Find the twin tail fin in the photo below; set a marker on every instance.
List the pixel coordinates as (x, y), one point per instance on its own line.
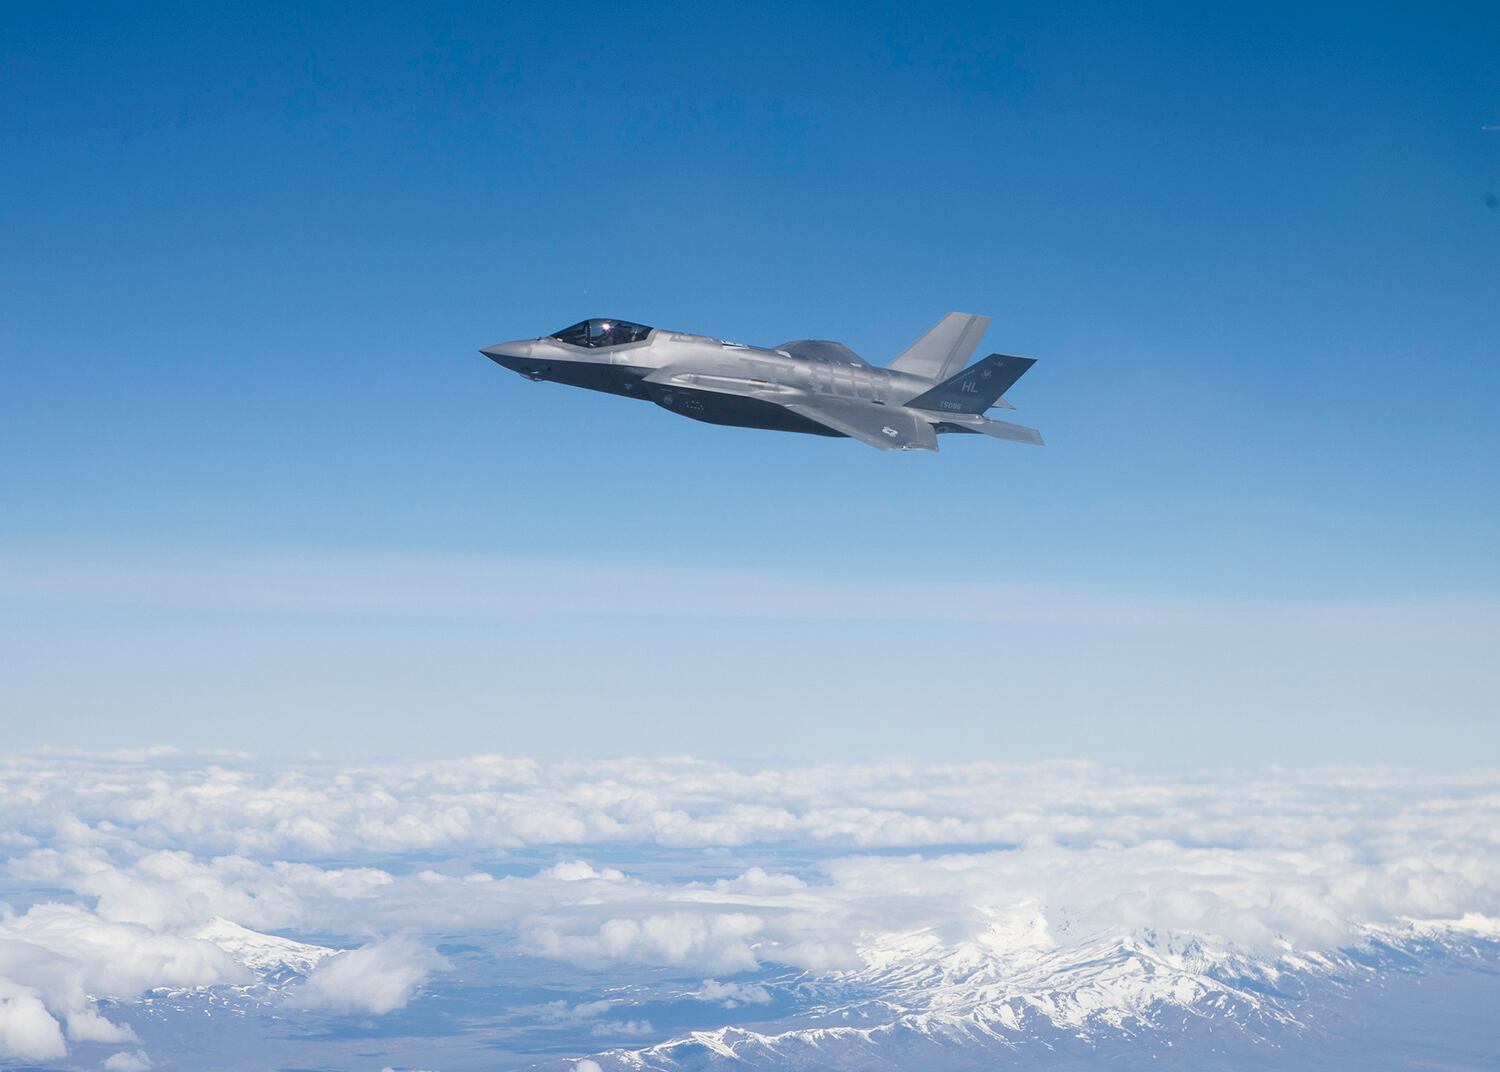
(977, 387)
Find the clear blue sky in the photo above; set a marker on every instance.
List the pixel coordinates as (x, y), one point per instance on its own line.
(249, 257)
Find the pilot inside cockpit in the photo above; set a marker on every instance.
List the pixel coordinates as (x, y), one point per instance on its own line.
(596, 333)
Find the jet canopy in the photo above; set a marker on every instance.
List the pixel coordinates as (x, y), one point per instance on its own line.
(595, 333)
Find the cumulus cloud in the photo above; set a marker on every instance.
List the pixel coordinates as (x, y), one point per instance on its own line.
(376, 979)
(127, 1061)
(718, 941)
(164, 890)
(28, 1031)
(244, 812)
(816, 868)
(86, 1025)
(561, 1012)
(579, 871)
(732, 994)
(55, 959)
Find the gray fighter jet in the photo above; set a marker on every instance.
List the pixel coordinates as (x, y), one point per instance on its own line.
(808, 385)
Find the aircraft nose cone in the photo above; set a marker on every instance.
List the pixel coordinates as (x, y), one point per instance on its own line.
(505, 353)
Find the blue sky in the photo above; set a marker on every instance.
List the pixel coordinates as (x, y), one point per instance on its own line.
(249, 259)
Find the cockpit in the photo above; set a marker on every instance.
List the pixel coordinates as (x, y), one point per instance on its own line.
(596, 333)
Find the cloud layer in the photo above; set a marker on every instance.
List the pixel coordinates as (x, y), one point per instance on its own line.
(273, 810)
(697, 868)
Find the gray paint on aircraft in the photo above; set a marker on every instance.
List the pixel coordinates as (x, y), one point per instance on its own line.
(812, 386)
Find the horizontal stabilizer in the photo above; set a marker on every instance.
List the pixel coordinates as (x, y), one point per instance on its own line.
(977, 387)
(1005, 430)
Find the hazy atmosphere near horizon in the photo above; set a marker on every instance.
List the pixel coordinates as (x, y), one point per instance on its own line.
(366, 706)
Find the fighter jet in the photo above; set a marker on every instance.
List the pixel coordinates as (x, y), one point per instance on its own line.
(806, 385)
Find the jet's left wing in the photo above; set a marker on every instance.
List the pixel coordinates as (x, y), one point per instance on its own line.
(883, 427)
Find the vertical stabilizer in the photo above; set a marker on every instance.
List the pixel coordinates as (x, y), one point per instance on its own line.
(945, 348)
(977, 387)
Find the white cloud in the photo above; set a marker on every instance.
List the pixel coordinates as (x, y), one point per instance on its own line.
(148, 848)
(127, 1061)
(377, 978)
(587, 1065)
(628, 1028)
(86, 1025)
(579, 871)
(245, 814)
(56, 958)
(28, 1032)
(732, 994)
(717, 941)
(560, 1012)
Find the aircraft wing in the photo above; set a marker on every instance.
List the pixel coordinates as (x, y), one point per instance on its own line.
(720, 384)
(882, 427)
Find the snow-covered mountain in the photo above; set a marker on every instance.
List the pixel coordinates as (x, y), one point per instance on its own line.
(264, 954)
(1012, 993)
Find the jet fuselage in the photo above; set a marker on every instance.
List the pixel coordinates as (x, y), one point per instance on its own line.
(622, 370)
(811, 386)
